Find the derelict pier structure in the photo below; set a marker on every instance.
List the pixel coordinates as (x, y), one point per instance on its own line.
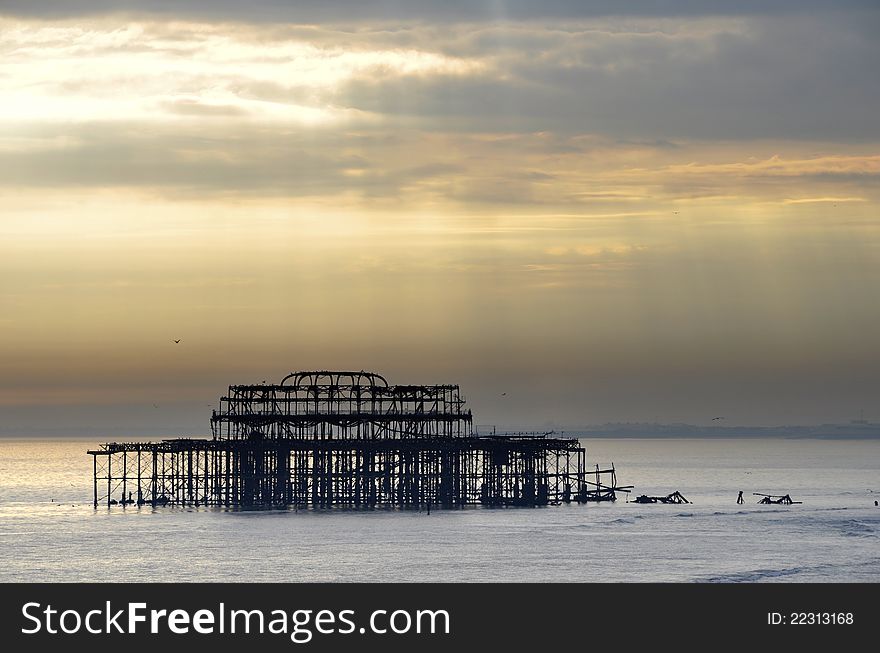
(348, 439)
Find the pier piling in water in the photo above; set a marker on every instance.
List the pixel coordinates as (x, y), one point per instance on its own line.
(348, 439)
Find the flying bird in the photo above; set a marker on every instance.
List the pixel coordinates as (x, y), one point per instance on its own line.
(714, 418)
(503, 394)
(177, 341)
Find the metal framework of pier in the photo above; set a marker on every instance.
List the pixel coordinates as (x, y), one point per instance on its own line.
(348, 439)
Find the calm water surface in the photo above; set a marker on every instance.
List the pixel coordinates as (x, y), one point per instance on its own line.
(49, 530)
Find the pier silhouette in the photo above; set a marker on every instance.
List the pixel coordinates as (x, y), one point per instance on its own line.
(349, 439)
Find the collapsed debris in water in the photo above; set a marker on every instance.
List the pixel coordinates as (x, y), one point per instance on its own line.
(675, 497)
(784, 499)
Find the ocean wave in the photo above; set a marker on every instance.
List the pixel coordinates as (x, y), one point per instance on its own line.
(753, 576)
(856, 528)
(629, 519)
(16, 533)
(848, 527)
(770, 512)
(759, 575)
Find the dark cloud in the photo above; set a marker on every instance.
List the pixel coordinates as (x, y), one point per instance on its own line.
(215, 157)
(322, 11)
(801, 76)
(254, 160)
(804, 79)
(139, 155)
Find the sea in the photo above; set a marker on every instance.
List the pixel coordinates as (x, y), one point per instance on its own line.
(50, 531)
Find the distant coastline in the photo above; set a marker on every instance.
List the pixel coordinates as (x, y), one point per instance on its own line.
(856, 430)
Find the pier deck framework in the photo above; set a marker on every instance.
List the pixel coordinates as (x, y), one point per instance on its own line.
(347, 439)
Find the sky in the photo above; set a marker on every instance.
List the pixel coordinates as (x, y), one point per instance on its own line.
(580, 213)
